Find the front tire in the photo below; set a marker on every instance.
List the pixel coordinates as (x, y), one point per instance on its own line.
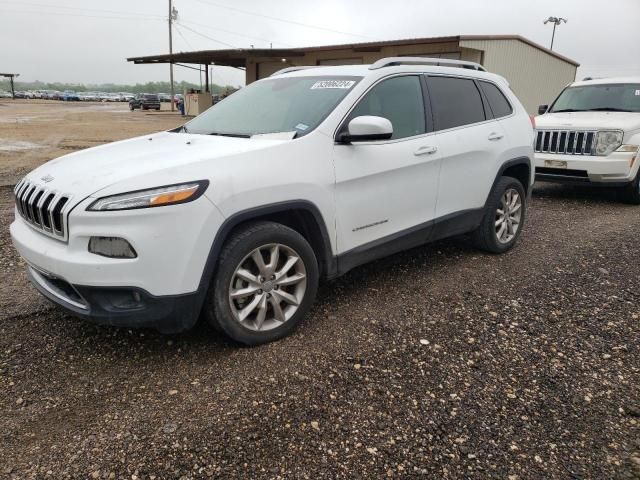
(503, 218)
(266, 282)
(631, 193)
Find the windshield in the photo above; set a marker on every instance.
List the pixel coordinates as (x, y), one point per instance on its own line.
(288, 104)
(607, 97)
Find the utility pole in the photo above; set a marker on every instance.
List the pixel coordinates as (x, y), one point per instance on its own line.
(173, 15)
(556, 21)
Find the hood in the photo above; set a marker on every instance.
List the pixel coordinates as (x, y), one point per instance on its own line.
(82, 173)
(625, 121)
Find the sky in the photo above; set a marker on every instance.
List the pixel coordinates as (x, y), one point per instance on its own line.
(88, 41)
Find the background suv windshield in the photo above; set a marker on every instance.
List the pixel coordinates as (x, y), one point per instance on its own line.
(612, 97)
(288, 104)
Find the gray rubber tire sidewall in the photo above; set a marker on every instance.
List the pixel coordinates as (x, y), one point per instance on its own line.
(236, 248)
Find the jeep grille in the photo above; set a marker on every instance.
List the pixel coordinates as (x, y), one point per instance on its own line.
(42, 208)
(565, 142)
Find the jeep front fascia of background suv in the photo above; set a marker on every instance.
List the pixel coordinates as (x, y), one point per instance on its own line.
(591, 135)
(298, 177)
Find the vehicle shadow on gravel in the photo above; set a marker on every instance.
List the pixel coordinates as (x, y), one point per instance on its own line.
(382, 276)
(582, 193)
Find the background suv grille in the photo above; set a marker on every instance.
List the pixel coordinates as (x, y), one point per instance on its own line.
(565, 142)
(42, 208)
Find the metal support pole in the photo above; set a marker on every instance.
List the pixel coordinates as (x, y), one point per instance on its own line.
(13, 92)
(171, 53)
(553, 35)
(206, 78)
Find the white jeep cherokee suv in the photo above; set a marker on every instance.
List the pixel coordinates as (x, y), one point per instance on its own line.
(297, 177)
(591, 135)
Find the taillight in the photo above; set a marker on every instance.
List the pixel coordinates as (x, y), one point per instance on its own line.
(533, 121)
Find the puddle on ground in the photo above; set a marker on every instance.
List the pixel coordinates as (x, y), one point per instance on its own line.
(17, 145)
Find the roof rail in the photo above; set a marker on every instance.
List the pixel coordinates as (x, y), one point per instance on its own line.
(443, 62)
(292, 69)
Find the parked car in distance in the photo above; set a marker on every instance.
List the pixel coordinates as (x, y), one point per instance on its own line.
(70, 96)
(591, 135)
(298, 177)
(164, 97)
(4, 94)
(145, 101)
(125, 96)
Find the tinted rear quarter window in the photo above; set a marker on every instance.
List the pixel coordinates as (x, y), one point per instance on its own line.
(498, 103)
(455, 102)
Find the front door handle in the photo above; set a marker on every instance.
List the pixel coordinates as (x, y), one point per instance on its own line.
(495, 136)
(426, 150)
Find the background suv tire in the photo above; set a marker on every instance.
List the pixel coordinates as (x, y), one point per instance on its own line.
(503, 218)
(631, 193)
(266, 281)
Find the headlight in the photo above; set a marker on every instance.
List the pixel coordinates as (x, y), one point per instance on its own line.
(607, 142)
(153, 197)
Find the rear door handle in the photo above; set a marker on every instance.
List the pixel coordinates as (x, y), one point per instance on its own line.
(426, 150)
(495, 136)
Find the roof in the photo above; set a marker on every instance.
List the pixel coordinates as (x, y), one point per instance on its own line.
(237, 57)
(606, 81)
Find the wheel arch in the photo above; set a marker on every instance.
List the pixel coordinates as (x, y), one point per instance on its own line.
(520, 168)
(300, 215)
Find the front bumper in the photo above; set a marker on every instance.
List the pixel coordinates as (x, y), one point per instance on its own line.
(161, 288)
(617, 169)
(119, 306)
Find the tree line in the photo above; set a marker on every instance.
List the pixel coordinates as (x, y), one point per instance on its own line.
(149, 87)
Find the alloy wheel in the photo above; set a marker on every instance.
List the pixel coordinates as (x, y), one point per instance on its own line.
(267, 287)
(508, 216)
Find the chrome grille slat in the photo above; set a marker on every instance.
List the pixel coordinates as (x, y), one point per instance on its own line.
(42, 208)
(566, 142)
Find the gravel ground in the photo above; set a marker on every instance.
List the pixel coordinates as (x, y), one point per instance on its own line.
(441, 362)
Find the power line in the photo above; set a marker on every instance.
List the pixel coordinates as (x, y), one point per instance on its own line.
(182, 36)
(206, 36)
(208, 27)
(293, 22)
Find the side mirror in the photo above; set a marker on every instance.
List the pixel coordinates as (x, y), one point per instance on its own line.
(367, 128)
(543, 109)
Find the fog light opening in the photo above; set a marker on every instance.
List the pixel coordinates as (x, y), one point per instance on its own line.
(112, 247)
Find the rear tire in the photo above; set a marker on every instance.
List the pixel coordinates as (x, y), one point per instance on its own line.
(265, 283)
(631, 193)
(504, 217)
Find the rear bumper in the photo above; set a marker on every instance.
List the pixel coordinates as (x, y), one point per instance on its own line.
(119, 306)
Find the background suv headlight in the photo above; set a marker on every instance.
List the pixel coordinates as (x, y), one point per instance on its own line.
(607, 142)
(152, 197)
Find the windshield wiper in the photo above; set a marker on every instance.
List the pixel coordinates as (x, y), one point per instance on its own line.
(608, 109)
(235, 135)
(566, 110)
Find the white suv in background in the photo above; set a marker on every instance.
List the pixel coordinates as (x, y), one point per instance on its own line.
(295, 178)
(591, 135)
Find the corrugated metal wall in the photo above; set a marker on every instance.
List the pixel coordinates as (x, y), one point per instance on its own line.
(535, 76)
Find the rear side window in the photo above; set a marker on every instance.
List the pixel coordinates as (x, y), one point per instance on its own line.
(498, 103)
(455, 102)
(399, 100)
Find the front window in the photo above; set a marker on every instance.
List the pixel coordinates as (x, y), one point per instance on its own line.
(594, 98)
(399, 100)
(286, 104)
